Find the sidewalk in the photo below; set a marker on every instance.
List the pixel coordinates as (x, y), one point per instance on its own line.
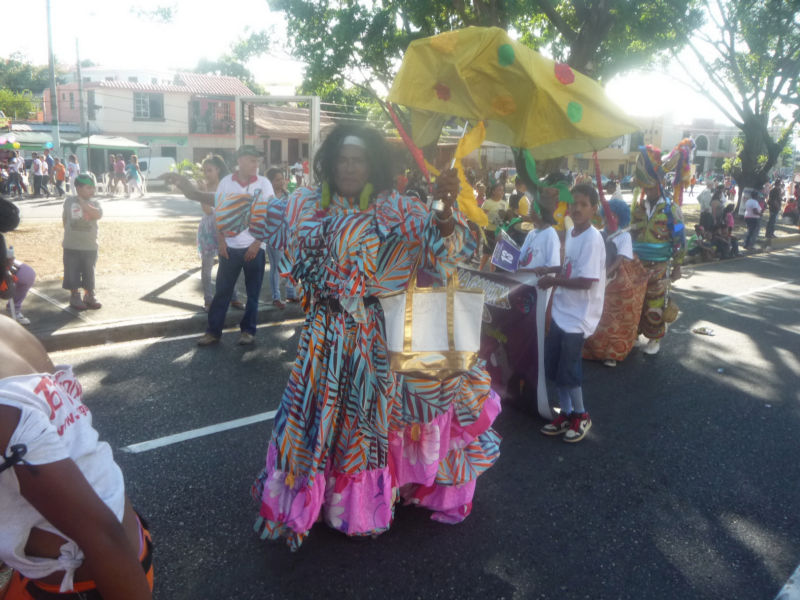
(135, 306)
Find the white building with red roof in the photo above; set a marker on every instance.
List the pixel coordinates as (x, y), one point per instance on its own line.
(177, 114)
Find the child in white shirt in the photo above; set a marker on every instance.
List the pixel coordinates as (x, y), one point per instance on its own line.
(577, 306)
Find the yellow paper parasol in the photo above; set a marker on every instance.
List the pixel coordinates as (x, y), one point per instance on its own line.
(526, 100)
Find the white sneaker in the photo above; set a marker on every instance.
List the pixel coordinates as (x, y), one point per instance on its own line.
(610, 362)
(652, 347)
(22, 319)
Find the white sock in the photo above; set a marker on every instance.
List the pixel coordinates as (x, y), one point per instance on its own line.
(576, 396)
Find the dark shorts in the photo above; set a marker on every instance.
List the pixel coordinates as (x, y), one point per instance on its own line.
(563, 357)
(79, 269)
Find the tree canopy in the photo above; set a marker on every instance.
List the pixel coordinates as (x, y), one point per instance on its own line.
(749, 55)
(345, 40)
(18, 75)
(17, 105)
(255, 43)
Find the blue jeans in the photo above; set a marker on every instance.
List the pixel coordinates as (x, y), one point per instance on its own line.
(773, 218)
(227, 272)
(752, 231)
(274, 275)
(563, 360)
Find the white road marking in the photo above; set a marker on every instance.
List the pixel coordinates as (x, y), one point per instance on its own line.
(196, 433)
(176, 338)
(791, 590)
(62, 306)
(732, 297)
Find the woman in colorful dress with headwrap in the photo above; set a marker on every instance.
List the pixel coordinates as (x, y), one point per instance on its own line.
(351, 437)
(658, 241)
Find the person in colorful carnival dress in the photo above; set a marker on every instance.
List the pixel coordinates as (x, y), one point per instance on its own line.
(658, 241)
(626, 282)
(352, 437)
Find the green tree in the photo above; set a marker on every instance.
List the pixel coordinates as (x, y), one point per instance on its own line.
(18, 75)
(17, 106)
(345, 40)
(750, 58)
(254, 44)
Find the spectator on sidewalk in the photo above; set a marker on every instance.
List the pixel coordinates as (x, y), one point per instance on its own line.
(16, 175)
(775, 201)
(704, 201)
(111, 187)
(37, 167)
(278, 182)
(80, 217)
(59, 176)
(73, 169)
(752, 218)
(22, 277)
(240, 204)
(133, 176)
(208, 238)
(119, 173)
(51, 162)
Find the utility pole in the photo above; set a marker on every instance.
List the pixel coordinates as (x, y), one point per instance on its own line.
(53, 92)
(84, 122)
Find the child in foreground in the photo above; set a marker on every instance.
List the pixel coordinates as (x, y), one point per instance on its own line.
(577, 306)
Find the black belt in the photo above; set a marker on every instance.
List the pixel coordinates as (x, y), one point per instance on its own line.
(335, 306)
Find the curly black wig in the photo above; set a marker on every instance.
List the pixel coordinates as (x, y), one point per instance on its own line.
(379, 156)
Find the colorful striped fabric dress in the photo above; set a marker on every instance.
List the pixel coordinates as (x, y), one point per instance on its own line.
(352, 438)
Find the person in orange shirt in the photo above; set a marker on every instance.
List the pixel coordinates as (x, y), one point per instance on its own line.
(60, 176)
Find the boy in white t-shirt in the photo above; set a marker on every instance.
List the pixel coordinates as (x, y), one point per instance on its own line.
(577, 306)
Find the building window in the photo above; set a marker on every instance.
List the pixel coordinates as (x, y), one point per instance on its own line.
(275, 152)
(724, 144)
(223, 111)
(87, 80)
(109, 79)
(154, 80)
(148, 106)
(133, 79)
(701, 143)
(72, 101)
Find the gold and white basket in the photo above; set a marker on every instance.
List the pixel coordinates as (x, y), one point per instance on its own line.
(433, 333)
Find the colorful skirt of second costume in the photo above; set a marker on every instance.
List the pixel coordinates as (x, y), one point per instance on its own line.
(352, 438)
(618, 328)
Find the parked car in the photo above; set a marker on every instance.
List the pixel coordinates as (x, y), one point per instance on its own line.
(154, 167)
(603, 180)
(626, 183)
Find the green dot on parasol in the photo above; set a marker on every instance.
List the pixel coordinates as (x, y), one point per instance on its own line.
(574, 112)
(505, 55)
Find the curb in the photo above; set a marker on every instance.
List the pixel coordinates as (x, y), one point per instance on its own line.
(138, 329)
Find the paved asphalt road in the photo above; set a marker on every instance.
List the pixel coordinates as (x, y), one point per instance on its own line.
(686, 487)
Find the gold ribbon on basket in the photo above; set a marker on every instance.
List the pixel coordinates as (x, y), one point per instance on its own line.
(442, 358)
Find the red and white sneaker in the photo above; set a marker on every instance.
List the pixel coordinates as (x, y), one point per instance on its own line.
(557, 426)
(579, 426)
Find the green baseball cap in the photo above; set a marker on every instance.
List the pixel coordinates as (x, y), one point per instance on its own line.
(248, 150)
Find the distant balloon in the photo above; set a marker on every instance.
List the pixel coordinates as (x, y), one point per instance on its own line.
(2, 141)
(48, 145)
(16, 145)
